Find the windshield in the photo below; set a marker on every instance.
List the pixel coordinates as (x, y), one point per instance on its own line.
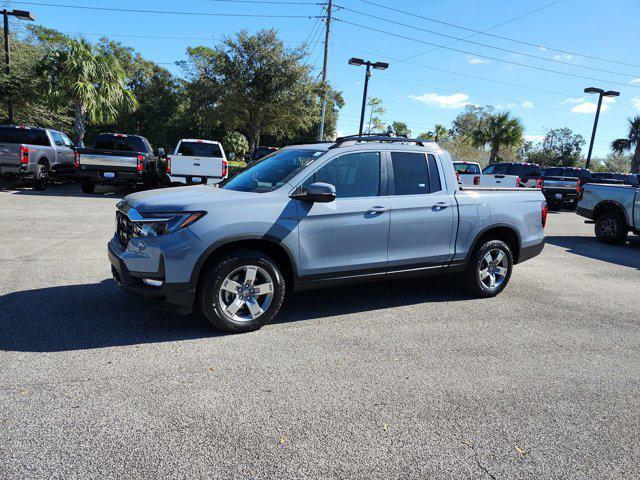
(273, 171)
(466, 167)
(199, 149)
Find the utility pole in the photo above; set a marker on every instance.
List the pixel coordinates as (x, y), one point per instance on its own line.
(324, 71)
(23, 15)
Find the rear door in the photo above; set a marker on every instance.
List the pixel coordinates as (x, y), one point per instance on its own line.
(422, 213)
(197, 159)
(64, 154)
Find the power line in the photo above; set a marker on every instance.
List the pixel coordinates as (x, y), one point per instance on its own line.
(273, 2)
(458, 39)
(475, 77)
(135, 10)
(481, 32)
(486, 56)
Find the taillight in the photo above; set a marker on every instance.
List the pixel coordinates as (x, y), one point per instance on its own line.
(76, 160)
(517, 181)
(24, 155)
(458, 176)
(579, 187)
(225, 168)
(476, 180)
(169, 165)
(544, 214)
(140, 164)
(540, 183)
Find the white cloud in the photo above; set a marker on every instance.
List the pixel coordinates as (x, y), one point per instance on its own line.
(609, 100)
(527, 104)
(534, 138)
(476, 60)
(455, 100)
(636, 102)
(572, 100)
(589, 107)
(635, 80)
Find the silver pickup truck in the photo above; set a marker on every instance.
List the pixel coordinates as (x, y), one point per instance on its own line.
(614, 208)
(318, 215)
(32, 155)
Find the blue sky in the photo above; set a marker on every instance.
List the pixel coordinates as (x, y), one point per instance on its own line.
(419, 88)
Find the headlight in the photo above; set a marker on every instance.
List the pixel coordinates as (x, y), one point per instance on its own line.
(153, 225)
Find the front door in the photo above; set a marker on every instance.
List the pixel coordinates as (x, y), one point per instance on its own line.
(348, 236)
(423, 214)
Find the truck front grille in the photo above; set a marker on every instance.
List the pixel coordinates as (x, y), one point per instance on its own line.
(124, 228)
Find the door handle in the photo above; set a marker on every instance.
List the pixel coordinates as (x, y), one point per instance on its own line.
(377, 209)
(440, 206)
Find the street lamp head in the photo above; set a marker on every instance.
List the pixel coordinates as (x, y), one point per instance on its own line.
(356, 61)
(22, 15)
(593, 90)
(380, 65)
(611, 93)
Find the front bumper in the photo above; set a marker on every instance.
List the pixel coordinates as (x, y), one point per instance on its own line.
(175, 297)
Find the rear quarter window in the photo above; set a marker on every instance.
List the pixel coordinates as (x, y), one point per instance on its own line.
(27, 136)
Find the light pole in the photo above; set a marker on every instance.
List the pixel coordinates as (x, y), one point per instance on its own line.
(23, 15)
(358, 62)
(601, 94)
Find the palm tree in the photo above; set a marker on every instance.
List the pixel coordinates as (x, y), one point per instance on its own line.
(498, 130)
(90, 81)
(439, 132)
(622, 145)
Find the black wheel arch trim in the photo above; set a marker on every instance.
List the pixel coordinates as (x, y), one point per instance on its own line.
(211, 249)
(516, 255)
(613, 203)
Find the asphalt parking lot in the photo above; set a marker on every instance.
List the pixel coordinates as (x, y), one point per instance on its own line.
(411, 379)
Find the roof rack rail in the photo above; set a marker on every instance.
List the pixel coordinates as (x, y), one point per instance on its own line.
(379, 137)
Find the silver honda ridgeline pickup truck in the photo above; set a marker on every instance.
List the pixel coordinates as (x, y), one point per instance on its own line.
(319, 215)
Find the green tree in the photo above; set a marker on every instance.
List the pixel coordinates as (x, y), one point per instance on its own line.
(256, 85)
(498, 130)
(235, 142)
(89, 81)
(631, 142)
(400, 128)
(470, 120)
(440, 132)
(375, 123)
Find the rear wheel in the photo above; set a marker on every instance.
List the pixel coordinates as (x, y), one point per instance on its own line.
(242, 291)
(41, 181)
(611, 228)
(87, 185)
(489, 269)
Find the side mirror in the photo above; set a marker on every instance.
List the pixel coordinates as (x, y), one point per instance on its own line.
(317, 192)
(231, 156)
(160, 152)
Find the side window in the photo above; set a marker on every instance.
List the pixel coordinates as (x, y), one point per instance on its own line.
(489, 169)
(353, 175)
(67, 141)
(434, 176)
(410, 173)
(57, 139)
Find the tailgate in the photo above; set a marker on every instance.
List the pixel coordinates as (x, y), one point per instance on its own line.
(193, 166)
(497, 180)
(108, 159)
(9, 154)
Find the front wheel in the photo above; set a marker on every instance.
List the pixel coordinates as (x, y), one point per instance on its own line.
(242, 291)
(611, 228)
(489, 269)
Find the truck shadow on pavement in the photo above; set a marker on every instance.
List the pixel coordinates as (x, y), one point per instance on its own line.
(65, 189)
(627, 255)
(77, 317)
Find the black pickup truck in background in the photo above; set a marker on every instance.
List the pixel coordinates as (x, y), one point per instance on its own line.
(561, 186)
(118, 159)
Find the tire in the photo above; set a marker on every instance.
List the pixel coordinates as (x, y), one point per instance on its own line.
(611, 228)
(87, 185)
(478, 265)
(41, 181)
(218, 297)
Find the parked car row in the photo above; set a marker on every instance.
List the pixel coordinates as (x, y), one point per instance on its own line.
(33, 156)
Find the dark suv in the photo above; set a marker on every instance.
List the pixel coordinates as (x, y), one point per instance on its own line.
(529, 173)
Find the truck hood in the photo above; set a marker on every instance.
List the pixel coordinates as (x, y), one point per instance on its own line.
(179, 199)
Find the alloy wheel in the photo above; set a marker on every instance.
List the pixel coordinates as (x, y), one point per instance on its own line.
(246, 293)
(493, 269)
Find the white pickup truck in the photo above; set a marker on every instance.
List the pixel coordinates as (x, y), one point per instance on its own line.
(470, 174)
(196, 161)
